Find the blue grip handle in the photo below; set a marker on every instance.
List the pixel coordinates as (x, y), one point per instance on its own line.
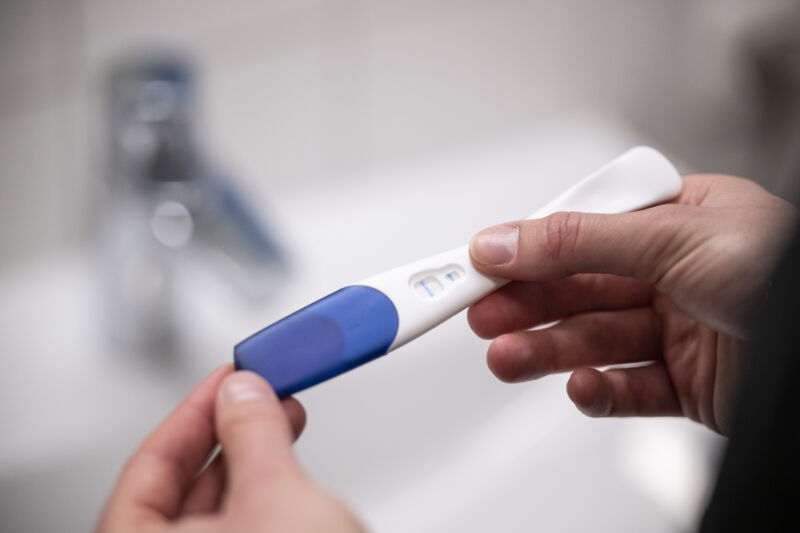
(343, 330)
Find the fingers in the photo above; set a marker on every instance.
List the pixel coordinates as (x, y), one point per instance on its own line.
(644, 244)
(640, 391)
(206, 493)
(296, 415)
(254, 427)
(154, 481)
(589, 339)
(523, 305)
(255, 432)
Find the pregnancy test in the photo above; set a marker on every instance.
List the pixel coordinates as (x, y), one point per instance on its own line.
(361, 322)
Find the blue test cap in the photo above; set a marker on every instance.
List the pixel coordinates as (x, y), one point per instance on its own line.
(343, 330)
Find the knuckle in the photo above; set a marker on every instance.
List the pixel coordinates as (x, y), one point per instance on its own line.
(479, 321)
(561, 232)
(246, 417)
(667, 245)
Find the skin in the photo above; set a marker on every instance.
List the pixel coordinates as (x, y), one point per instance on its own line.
(255, 485)
(672, 287)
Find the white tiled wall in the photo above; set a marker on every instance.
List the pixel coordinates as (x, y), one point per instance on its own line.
(310, 89)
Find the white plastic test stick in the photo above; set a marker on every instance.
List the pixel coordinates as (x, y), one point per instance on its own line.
(429, 291)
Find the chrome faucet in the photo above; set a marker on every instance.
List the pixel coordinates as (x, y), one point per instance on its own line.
(166, 208)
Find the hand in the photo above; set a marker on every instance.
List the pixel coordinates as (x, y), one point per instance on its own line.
(673, 286)
(255, 484)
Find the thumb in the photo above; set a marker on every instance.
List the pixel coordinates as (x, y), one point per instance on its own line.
(643, 244)
(254, 432)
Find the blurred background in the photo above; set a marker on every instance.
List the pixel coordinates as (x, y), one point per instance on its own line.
(174, 175)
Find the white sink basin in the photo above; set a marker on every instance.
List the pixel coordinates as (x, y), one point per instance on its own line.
(424, 439)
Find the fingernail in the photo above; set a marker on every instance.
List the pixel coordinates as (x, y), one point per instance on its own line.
(243, 387)
(495, 246)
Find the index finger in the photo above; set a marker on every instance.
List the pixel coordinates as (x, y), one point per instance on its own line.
(157, 476)
(526, 304)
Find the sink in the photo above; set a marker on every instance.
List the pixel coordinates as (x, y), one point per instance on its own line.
(424, 439)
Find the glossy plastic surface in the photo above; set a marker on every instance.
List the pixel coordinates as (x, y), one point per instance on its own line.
(343, 330)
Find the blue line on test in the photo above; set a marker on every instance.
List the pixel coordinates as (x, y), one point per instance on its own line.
(425, 286)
